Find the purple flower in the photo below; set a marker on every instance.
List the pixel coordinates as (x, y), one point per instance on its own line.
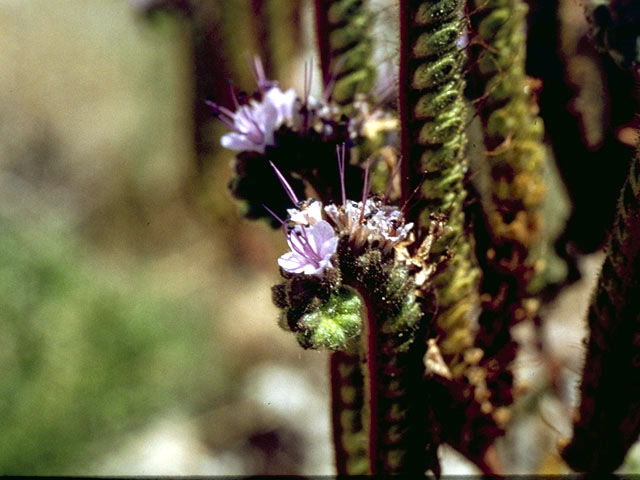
(282, 102)
(311, 249)
(253, 124)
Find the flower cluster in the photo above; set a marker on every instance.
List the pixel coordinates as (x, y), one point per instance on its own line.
(313, 240)
(255, 120)
(297, 134)
(253, 124)
(370, 222)
(338, 252)
(311, 249)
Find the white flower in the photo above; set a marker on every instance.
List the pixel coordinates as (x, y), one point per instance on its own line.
(389, 222)
(378, 223)
(311, 249)
(283, 102)
(309, 213)
(253, 125)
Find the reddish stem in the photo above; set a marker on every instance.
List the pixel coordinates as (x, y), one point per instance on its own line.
(338, 359)
(403, 102)
(322, 36)
(372, 332)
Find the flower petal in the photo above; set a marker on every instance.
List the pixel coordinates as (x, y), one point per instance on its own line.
(292, 262)
(321, 232)
(237, 141)
(328, 248)
(309, 214)
(283, 102)
(266, 115)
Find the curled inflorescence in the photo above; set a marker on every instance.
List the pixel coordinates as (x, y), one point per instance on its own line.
(296, 134)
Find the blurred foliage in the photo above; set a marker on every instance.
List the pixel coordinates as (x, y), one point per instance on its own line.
(104, 327)
(87, 352)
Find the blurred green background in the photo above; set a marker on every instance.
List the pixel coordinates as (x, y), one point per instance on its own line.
(137, 332)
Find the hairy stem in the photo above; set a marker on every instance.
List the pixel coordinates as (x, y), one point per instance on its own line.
(392, 415)
(346, 410)
(342, 28)
(516, 158)
(336, 19)
(608, 420)
(432, 113)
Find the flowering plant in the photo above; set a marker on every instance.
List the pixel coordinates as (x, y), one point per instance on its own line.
(415, 290)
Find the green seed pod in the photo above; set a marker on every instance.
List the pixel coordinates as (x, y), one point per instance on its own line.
(515, 187)
(438, 159)
(347, 398)
(432, 103)
(345, 9)
(358, 465)
(351, 60)
(501, 124)
(492, 24)
(432, 74)
(438, 42)
(444, 127)
(352, 83)
(445, 184)
(502, 85)
(433, 113)
(345, 44)
(430, 13)
(350, 35)
(333, 325)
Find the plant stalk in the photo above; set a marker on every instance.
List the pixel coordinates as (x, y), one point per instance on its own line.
(432, 113)
(508, 247)
(607, 422)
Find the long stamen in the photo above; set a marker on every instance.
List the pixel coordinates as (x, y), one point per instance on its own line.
(307, 250)
(258, 71)
(226, 111)
(256, 135)
(307, 243)
(300, 251)
(224, 115)
(285, 185)
(415, 190)
(340, 151)
(333, 78)
(283, 224)
(233, 96)
(395, 172)
(311, 253)
(305, 92)
(294, 247)
(259, 68)
(365, 189)
(308, 79)
(273, 214)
